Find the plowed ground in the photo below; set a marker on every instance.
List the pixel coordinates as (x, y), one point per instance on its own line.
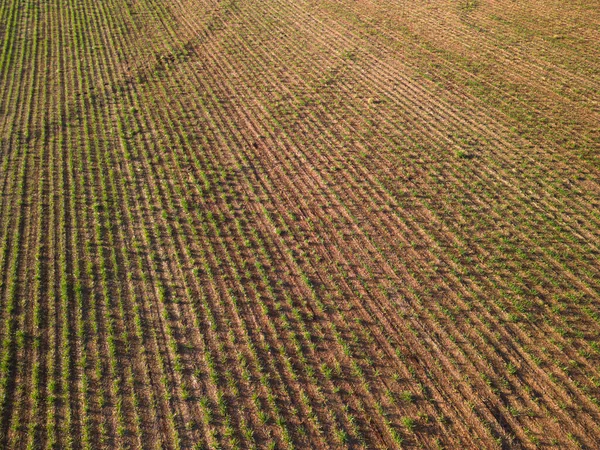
(299, 224)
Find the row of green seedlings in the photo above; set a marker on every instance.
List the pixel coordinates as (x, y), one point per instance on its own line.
(14, 32)
(172, 206)
(117, 389)
(15, 248)
(264, 278)
(184, 394)
(161, 293)
(51, 389)
(13, 181)
(11, 90)
(357, 370)
(8, 281)
(176, 349)
(106, 366)
(178, 364)
(451, 66)
(518, 305)
(42, 291)
(8, 187)
(37, 363)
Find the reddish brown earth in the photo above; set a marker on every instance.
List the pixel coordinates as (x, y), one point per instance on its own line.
(300, 224)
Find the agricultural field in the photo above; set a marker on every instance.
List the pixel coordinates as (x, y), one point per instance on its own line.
(300, 224)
